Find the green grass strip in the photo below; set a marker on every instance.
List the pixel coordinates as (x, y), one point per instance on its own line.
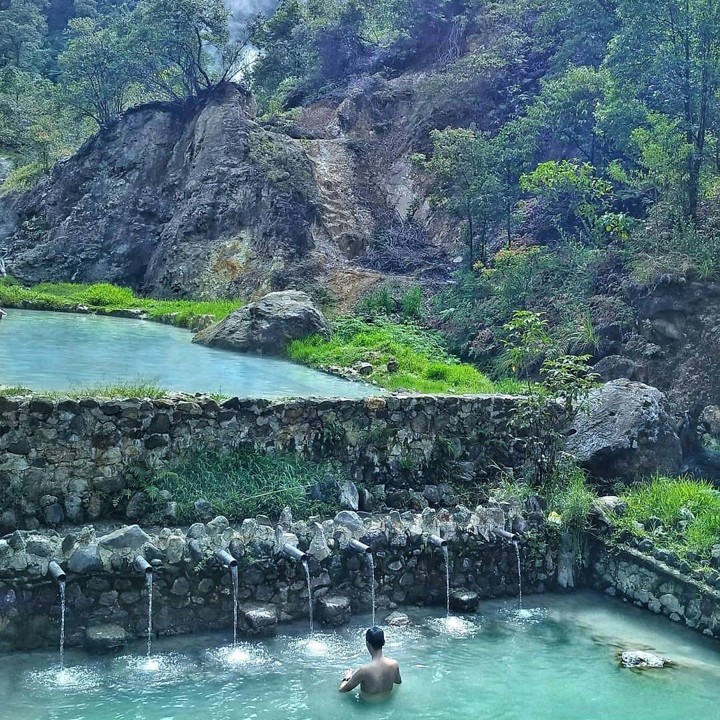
(688, 509)
(105, 297)
(423, 363)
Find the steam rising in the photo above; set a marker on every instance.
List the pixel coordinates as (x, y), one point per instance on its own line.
(244, 10)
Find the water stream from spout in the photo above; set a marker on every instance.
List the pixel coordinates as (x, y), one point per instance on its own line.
(446, 555)
(234, 574)
(150, 603)
(519, 571)
(371, 561)
(62, 624)
(310, 602)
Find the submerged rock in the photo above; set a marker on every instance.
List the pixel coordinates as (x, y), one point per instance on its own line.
(463, 600)
(397, 619)
(643, 659)
(258, 620)
(105, 638)
(335, 609)
(267, 326)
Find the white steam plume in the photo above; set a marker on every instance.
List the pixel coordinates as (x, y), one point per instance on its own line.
(244, 10)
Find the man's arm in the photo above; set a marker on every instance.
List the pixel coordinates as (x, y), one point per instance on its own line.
(398, 679)
(351, 680)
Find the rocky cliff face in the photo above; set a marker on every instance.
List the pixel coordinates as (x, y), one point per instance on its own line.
(675, 345)
(193, 201)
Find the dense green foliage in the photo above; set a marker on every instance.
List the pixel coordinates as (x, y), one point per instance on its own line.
(679, 514)
(242, 483)
(423, 364)
(104, 297)
(64, 74)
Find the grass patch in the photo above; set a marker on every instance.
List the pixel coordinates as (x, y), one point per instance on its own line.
(688, 510)
(423, 363)
(245, 483)
(104, 297)
(135, 389)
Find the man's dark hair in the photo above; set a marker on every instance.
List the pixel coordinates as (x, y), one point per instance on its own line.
(375, 637)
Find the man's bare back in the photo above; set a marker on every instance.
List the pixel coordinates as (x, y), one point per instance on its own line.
(379, 676)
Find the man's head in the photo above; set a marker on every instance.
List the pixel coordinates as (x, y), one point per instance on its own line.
(375, 639)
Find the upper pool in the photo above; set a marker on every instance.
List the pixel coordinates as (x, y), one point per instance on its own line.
(557, 662)
(62, 351)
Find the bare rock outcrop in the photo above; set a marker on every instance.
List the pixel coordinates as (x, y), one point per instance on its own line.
(626, 433)
(267, 326)
(194, 200)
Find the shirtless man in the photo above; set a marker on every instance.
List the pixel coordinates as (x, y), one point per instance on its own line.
(377, 678)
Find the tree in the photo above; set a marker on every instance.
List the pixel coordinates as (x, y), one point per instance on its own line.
(566, 112)
(549, 404)
(570, 193)
(466, 183)
(667, 54)
(577, 30)
(100, 66)
(287, 53)
(187, 44)
(22, 34)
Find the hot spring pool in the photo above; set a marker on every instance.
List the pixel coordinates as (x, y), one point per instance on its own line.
(63, 351)
(556, 662)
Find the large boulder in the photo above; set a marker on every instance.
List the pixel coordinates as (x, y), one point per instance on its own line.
(626, 432)
(267, 326)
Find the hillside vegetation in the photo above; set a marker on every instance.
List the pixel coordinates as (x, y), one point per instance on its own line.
(571, 146)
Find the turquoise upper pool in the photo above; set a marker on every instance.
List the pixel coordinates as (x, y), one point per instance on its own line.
(62, 351)
(557, 662)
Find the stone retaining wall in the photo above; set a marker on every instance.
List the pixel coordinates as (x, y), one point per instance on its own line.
(650, 583)
(107, 598)
(70, 461)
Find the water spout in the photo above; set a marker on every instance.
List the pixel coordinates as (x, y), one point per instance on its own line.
(516, 544)
(446, 555)
(142, 565)
(359, 547)
(437, 541)
(235, 586)
(371, 562)
(310, 602)
(294, 553)
(225, 558)
(149, 580)
(56, 572)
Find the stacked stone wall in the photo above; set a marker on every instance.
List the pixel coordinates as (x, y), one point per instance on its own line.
(107, 597)
(649, 583)
(71, 461)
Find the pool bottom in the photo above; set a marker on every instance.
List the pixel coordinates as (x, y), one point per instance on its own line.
(557, 660)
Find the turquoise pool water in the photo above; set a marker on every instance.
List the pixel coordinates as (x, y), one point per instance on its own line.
(557, 662)
(62, 351)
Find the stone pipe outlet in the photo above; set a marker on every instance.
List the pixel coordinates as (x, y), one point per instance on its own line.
(294, 553)
(359, 547)
(437, 541)
(56, 572)
(142, 565)
(225, 558)
(505, 535)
